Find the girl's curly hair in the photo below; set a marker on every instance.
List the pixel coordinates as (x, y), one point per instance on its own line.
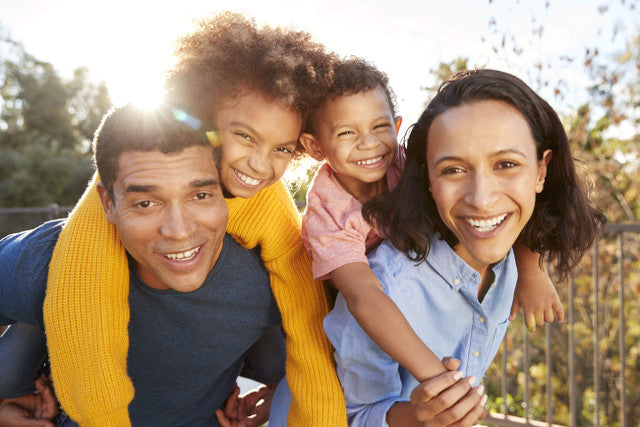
(228, 55)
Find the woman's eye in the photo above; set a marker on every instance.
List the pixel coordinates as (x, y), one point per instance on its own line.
(452, 170)
(507, 165)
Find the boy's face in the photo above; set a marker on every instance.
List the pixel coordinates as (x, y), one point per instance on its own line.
(356, 134)
(484, 175)
(258, 138)
(170, 215)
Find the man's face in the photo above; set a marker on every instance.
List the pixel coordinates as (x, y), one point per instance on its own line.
(170, 215)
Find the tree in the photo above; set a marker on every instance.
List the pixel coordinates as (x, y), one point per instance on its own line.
(46, 125)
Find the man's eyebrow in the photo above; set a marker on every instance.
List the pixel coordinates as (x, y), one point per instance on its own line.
(136, 188)
(199, 183)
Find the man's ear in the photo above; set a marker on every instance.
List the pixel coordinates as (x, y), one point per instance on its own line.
(542, 170)
(107, 203)
(312, 146)
(398, 121)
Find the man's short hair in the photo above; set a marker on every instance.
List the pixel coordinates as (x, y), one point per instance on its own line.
(130, 128)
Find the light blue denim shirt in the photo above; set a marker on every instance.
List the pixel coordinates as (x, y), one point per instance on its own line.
(439, 298)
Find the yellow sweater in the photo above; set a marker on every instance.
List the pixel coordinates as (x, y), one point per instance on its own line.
(86, 311)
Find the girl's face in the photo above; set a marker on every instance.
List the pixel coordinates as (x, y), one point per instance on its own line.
(484, 175)
(356, 134)
(258, 138)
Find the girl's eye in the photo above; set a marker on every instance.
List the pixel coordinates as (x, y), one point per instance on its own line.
(243, 135)
(284, 150)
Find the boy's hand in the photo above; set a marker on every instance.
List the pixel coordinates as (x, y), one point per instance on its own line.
(250, 410)
(538, 298)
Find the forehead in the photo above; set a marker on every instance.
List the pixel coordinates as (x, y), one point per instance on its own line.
(155, 168)
(354, 105)
(255, 107)
(480, 126)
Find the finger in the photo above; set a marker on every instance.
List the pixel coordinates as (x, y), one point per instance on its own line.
(558, 309)
(465, 411)
(530, 321)
(447, 400)
(548, 315)
(474, 415)
(222, 419)
(515, 309)
(540, 315)
(451, 363)
(433, 387)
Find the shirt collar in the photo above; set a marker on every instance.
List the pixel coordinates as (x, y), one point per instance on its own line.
(453, 269)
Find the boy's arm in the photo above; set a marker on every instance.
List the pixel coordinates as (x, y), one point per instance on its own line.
(535, 292)
(383, 321)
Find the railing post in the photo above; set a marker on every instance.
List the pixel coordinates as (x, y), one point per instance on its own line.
(596, 339)
(547, 361)
(623, 397)
(525, 369)
(573, 416)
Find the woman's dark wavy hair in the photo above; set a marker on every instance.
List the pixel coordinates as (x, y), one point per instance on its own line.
(228, 55)
(563, 224)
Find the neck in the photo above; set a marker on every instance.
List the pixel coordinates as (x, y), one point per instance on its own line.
(362, 191)
(486, 280)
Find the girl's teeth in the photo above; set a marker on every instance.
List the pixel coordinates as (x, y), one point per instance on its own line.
(247, 179)
(485, 225)
(369, 162)
(183, 256)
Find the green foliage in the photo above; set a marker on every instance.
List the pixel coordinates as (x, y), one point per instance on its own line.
(46, 125)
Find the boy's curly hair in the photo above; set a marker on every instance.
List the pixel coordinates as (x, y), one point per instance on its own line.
(353, 75)
(228, 55)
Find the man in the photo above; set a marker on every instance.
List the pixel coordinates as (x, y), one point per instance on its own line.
(198, 300)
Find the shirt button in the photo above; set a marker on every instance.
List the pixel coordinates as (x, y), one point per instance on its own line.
(456, 281)
(481, 319)
(476, 353)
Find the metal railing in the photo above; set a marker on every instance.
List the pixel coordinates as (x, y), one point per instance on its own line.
(13, 220)
(591, 301)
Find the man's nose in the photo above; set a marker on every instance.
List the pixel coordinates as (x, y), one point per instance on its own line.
(176, 224)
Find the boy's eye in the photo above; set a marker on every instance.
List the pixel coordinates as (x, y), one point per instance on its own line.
(345, 133)
(382, 125)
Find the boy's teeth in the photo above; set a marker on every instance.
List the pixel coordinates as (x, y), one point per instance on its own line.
(369, 162)
(183, 256)
(485, 225)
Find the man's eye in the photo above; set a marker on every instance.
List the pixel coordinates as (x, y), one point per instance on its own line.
(202, 196)
(144, 204)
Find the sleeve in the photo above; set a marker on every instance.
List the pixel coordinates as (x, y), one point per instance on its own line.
(86, 315)
(334, 230)
(370, 378)
(270, 219)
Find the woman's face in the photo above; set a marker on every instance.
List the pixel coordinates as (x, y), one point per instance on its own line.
(258, 138)
(484, 175)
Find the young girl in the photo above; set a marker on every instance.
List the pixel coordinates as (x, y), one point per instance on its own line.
(354, 130)
(488, 165)
(257, 84)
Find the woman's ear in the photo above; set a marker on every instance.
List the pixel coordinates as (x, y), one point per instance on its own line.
(312, 146)
(398, 121)
(542, 170)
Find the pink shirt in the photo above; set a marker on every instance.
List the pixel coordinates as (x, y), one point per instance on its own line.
(334, 231)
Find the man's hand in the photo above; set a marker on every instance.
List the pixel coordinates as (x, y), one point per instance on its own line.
(444, 400)
(250, 410)
(32, 410)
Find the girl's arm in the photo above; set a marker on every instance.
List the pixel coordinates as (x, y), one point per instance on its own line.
(535, 292)
(270, 219)
(86, 313)
(383, 321)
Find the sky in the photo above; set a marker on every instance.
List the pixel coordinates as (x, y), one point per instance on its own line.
(127, 43)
